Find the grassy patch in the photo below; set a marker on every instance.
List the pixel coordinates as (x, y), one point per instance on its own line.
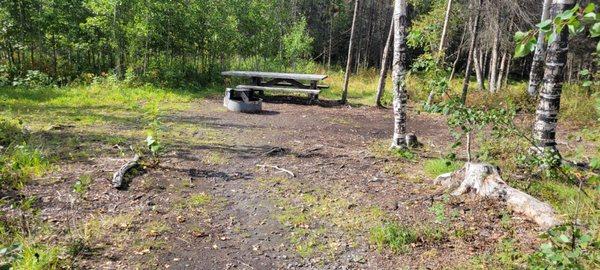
(394, 236)
(199, 200)
(436, 167)
(215, 158)
(20, 163)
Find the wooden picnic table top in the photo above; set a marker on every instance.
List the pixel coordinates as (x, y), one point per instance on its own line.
(274, 75)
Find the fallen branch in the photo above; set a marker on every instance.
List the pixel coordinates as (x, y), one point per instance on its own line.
(484, 180)
(120, 174)
(277, 168)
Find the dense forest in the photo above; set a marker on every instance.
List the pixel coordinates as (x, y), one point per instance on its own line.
(194, 40)
(438, 134)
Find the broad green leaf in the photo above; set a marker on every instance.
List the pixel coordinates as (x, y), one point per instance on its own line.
(590, 17)
(575, 27)
(584, 72)
(150, 140)
(545, 26)
(520, 51)
(519, 36)
(564, 238)
(598, 47)
(589, 8)
(595, 30)
(587, 83)
(552, 38)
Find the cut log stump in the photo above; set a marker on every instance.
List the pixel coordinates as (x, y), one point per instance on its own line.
(484, 180)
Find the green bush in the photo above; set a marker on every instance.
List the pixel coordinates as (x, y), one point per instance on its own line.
(11, 131)
(33, 78)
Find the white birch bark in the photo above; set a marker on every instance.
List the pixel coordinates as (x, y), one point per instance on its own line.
(398, 74)
(349, 62)
(537, 66)
(549, 104)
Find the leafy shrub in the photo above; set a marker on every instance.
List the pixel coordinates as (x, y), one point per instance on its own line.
(11, 131)
(33, 78)
(566, 249)
(6, 74)
(297, 44)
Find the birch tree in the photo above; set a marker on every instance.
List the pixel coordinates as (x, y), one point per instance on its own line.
(549, 104)
(384, 66)
(398, 74)
(537, 67)
(474, 28)
(445, 28)
(349, 61)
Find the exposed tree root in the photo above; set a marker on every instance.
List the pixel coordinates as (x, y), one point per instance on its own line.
(484, 180)
(120, 174)
(278, 168)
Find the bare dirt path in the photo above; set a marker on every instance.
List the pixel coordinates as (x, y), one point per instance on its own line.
(209, 206)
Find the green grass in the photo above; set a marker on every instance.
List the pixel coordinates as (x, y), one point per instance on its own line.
(435, 167)
(199, 200)
(21, 163)
(394, 236)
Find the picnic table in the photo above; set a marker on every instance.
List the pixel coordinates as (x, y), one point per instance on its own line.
(280, 82)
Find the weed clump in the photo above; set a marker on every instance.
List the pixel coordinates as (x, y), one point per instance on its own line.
(394, 236)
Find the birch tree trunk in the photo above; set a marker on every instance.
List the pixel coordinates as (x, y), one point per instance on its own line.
(460, 46)
(508, 63)
(549, 104)
(445, 29)
(537, 67)
(499, 80)
(384, 66)
(494, 61)
(474, 31)
(398, 73)
(349, 62)
(330, 35)
(477, 65)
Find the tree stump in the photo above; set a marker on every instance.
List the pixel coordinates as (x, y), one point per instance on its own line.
(484, 180)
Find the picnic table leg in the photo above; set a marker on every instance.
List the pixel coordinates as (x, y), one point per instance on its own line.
(258, 82)
(313, 97)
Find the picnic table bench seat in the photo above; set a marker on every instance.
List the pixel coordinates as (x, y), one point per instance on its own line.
(276, 88)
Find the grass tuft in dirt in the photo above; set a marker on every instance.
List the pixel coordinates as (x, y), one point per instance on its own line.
(394, 236)
(436, 167)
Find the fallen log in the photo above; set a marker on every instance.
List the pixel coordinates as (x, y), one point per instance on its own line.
(120, 174)
(484, 180)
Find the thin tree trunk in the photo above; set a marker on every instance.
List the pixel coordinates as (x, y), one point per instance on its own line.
(549, 104)
(330, 35)
(537, 67)
(508, 65)
(477, 65)
(445, 29)
(384, 66)
(474, 30)
(460, 46)
(499, 80)
(349, 62)
(494, 62)
(54, 57)
(398, 73)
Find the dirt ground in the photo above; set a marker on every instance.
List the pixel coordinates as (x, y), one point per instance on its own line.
(210, 205)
